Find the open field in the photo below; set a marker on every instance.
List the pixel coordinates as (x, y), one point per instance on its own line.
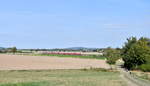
(18, 62)
(74, 56)
(61, 78)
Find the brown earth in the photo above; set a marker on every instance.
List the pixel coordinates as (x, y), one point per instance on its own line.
(18, 62)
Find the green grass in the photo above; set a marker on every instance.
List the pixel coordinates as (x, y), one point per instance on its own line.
(145, 76)
(28, 84)
(60, 78)
(74, 56)
(142, 75)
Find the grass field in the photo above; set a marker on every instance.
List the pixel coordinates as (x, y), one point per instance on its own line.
(60, 78)
(74, 56)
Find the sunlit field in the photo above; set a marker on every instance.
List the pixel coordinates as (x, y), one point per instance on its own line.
(94, 77)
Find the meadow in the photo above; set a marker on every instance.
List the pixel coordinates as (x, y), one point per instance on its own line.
(82, 77)
(74, 56)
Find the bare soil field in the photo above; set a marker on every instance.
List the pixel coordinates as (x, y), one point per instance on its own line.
(19, 62)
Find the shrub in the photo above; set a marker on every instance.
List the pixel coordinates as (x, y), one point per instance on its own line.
(145, 67)
(112, 55)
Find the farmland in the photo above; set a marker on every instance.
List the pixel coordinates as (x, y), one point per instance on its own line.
(27, 70)
(22, 62)
(74, 56)
(61, 78)
(17, 70)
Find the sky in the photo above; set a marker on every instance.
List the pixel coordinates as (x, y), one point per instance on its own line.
(72, 23)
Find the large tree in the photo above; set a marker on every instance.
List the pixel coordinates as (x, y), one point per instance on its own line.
(135, 52)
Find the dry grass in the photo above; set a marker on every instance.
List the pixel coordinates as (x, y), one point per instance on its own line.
(60, 78)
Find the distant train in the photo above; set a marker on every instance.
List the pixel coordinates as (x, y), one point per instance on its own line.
(61, 53)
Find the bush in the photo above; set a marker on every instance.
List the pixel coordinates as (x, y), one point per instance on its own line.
(145, 67)
(112, 55)
(112, 60)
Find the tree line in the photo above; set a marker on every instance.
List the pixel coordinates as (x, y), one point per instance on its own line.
(9, 50)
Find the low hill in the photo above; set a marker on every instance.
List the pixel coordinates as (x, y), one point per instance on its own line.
(2, 48)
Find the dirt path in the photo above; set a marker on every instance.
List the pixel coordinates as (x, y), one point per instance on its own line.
(132, 80)
(126, 79)
(18, 62)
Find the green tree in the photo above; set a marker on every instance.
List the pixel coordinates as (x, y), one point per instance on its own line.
(135, 52)
(112, 55)
(13, 49)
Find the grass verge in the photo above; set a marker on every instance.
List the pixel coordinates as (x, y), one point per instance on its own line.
(142, 75)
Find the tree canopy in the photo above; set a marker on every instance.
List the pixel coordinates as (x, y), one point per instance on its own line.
(136, 52)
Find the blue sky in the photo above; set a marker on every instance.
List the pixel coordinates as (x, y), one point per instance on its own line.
(72, 23)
